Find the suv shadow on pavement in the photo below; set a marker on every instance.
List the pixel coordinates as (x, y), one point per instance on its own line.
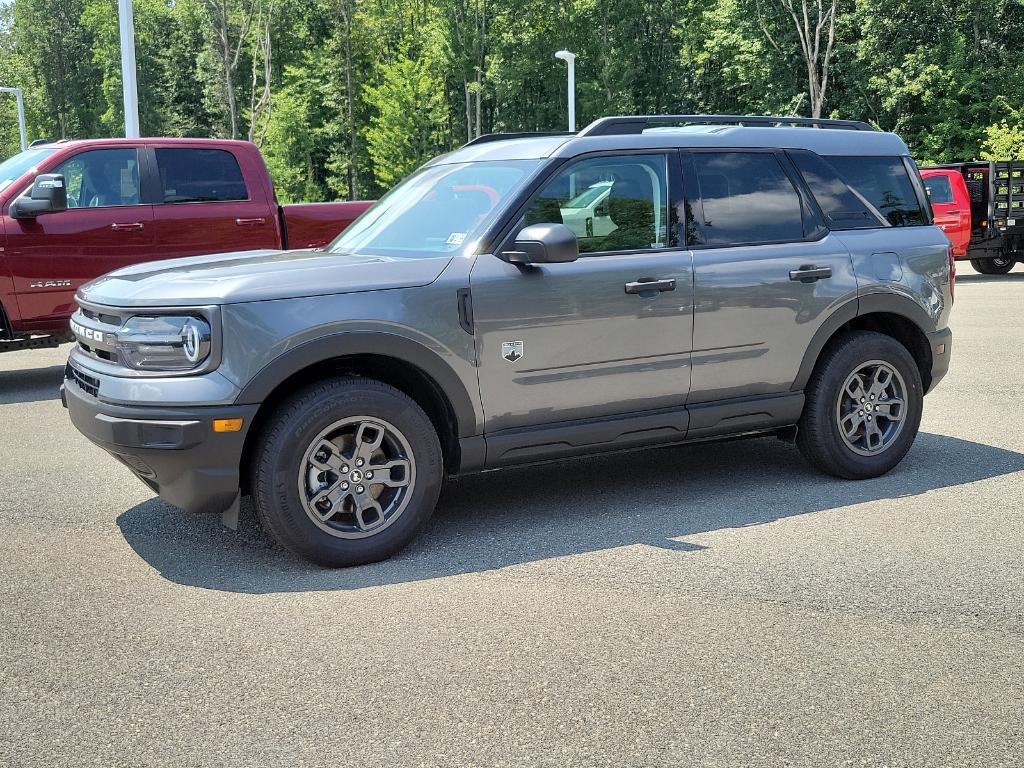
(31, 385)
(490, 521)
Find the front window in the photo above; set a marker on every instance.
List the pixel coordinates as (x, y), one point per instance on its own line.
(440, 210)
(939, 189)
(102, 178)
(13, 168)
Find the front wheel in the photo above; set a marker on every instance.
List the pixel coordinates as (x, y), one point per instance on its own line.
(347, 472)
(863, 407)
(1000, 265)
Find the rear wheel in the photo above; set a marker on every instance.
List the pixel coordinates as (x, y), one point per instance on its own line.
(863, 407)
(999, 265)
(347, 472)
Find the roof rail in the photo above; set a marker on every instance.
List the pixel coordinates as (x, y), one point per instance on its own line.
(488, 137)
(609, 126)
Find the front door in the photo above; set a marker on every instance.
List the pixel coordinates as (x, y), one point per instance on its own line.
(106, 226)
(559, 342)
(951, 207)
(766, 274)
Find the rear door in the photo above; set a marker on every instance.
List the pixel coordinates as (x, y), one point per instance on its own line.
(206, 205)
(950, 206)
(767, 273)
(107, 226)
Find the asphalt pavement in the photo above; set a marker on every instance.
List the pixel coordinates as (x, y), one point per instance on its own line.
(721, 605)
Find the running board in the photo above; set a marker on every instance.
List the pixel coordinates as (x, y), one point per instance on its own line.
(33, 342)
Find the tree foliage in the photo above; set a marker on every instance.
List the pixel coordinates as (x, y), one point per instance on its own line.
(345, 97)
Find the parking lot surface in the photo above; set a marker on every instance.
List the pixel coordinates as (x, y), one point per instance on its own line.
(711, 605)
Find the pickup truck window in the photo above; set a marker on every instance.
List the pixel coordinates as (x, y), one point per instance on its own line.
(13, 168)
(939, 189)
(441, 209)
(101, 178)
(199, 176)
(884, 182)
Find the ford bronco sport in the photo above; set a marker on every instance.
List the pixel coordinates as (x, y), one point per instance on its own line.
(734, 276)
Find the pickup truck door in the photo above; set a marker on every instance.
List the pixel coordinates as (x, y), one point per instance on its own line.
(951, 206)
(205, 204)
(106, 226)
(583, 340)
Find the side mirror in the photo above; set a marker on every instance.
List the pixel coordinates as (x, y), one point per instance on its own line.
(48, 195)
(544, 244)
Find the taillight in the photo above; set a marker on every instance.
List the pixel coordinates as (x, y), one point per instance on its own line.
(952, 274)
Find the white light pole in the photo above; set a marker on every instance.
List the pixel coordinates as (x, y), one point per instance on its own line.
(21, 113)
(126, 22)
(570, 59)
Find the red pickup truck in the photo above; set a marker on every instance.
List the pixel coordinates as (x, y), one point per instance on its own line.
(72, 211)
(980, 207)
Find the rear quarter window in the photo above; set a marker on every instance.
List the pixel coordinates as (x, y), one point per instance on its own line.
(885, 183)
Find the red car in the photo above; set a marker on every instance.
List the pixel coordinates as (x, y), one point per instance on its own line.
(980, 207)
(125, 201)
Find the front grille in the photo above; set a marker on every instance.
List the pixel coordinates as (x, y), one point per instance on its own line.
(88, 384)
(102, 317)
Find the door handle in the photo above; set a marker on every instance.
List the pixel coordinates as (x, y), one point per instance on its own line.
(648, 286)
(808, 273)
(952, 212)
(250, 222)
(135, 226)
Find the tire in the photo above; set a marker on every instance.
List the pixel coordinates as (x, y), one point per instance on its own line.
(997, 266)
(828, 403)
(325, 429)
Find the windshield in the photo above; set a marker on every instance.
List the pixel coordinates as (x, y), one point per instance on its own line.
(437, 211)
(13, 168)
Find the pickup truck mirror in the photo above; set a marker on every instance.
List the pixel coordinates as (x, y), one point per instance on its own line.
(49, 195)
(544, 244)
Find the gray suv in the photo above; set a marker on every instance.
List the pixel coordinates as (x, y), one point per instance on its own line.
(646, 281)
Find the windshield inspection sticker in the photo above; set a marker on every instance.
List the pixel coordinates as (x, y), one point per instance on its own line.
(512, 350)
(455, 238)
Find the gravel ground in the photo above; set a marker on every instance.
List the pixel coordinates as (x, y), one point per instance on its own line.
(722, 605)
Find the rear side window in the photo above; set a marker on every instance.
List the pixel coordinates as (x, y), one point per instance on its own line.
(199, 176)
(843, 208)
(747, 199)
(939, 189)
(885, 183)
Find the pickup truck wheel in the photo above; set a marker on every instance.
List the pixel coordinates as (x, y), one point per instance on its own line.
(863, 407)
(347, 472)
(1000, 265)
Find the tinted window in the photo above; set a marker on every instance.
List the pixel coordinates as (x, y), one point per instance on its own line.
(939, 189)
(439, 210)
(101, 178)
(884, 182)
(843, 208)
(199, 175)
(747, 198)
(611, 203)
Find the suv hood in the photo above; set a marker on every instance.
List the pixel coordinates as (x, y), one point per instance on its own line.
(232, 278)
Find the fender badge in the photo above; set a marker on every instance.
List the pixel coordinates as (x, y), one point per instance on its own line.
(512, 350)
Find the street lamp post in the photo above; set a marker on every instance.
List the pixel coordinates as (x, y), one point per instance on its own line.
(21, 114)
(570, 59)
(126, 22)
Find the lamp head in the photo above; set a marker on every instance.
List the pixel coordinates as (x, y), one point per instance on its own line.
(566, 56)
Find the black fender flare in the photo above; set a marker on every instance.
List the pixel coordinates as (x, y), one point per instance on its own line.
(346, 343)
(871, 303)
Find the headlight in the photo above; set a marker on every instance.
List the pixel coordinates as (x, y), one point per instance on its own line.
(164, 342)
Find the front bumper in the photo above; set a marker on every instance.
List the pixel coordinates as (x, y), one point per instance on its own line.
(173, 450)
(940, 340)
